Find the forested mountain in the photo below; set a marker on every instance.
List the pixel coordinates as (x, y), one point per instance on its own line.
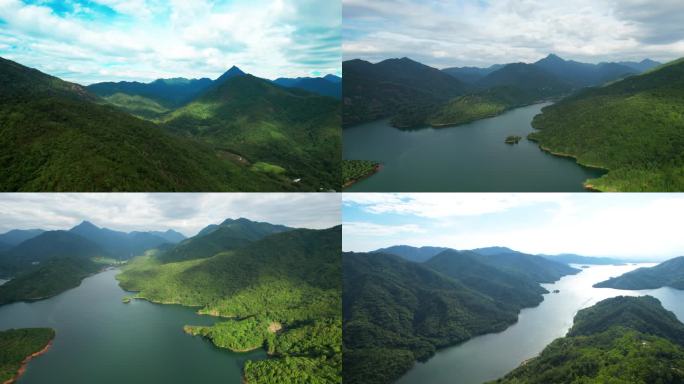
(50, 245)
(526, 77)
(630, 340)
(17, 236)
(642, 66)
(330, 85)
(470, 75)
(397, 311)
(534, 267)
(230, 234)
(167, 92)
(58, 136)
(667, 274)
(415, 254)
(55, 137)
(18, 344)
(583, 74)
(283, 291)
(285, 134)
(631, 127)
(118, 244)
(399, 88)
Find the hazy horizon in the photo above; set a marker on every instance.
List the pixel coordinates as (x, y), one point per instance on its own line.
(627, 226)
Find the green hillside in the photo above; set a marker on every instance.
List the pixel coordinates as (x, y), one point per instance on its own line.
(252, 121)
(47, 279)
(17, 344)
(622, 340)
(282, 293)
(403, 89)
(631, 127)
(231, 234)
(667, 274)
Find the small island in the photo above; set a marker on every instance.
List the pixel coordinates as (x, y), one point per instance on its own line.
(556, 291)
(356, 170)
(585, 267)
(513, 139)
(126, 299)
(18, 347)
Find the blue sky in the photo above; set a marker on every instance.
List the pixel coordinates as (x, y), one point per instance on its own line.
(446, 33)
(640, 226)
(183, 212)
(89, 41)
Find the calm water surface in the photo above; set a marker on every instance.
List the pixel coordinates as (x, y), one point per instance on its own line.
(102, 340)
(470, 157)
(491, 356)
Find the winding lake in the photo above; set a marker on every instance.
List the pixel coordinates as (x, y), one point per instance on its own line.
(102, 340)
(493, 355)
(466, 158)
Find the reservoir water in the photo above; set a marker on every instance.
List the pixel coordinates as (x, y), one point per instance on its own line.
(102, 340)
(467, 158)
(491, 356)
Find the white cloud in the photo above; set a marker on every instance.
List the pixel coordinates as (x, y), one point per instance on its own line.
(198, 38)
(184, 212)
(364, 229)
(482, 33)
(443, 205)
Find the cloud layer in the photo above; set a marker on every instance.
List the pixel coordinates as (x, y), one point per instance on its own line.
(478, 32)
(104, 40)
(642, 226)
(183, 212)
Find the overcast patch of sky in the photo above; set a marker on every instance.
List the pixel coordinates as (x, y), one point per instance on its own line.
(183, 212)
(88, 41)
(481, 33)
(637, 226)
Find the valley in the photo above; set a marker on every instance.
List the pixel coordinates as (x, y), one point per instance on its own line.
(168, 135)
(618, 118)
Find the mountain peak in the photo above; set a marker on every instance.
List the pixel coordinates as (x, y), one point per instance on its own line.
(85, 224)
(232, 72)
(552, 57)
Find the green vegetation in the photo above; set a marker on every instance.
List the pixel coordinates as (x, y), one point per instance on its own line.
(268, 168)
(396, 312)
(266, 123)
(512, 139)
(355, 170)
(667, 274)
(631, 127)
(281, 291)
(56, 136)
(46, 279)
(18, 344)
(139, 106)
(622, 340)
(403, 89)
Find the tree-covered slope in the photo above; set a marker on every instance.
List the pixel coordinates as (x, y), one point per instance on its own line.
(230, 234)
(415, 254)
(633, 127)
(584, 74)
(169, 93)
(324, 86)
(55, 136)
(533, 267)
(287, 134)
(18, 344)
(667, 274)
(397, 312)
(47, 279)
(403, 89)
(283, 293)
(622, 340)
(50, 245)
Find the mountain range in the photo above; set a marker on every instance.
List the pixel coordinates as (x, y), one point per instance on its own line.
(397, 311)
(618, 340)
(237, 132)
(413, 94)
(329, 85)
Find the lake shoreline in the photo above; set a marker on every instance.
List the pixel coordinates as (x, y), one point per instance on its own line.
(586, 184)
(351, 182)
(26, 361)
